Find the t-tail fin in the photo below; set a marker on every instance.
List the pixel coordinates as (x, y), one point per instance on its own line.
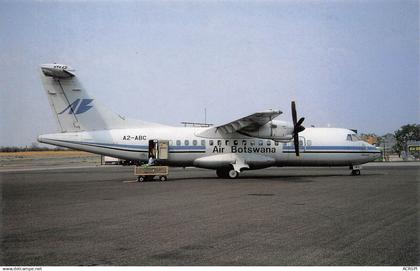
(74, 109)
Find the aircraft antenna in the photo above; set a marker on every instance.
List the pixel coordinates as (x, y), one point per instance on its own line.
(205, 115)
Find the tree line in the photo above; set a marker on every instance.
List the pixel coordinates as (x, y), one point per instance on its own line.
(32, 147)
(408, 132)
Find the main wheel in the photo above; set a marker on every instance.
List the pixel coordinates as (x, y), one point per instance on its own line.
(355, 172)
(233, 174)
(163, 178)
(141, 178)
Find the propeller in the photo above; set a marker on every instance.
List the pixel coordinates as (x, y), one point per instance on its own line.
(297, 128)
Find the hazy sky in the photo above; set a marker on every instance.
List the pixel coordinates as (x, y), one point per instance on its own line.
(352, 64)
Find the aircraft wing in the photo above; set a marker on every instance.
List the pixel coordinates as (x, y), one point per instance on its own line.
(249, 123)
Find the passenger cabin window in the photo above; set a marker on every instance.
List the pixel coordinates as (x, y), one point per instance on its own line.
(203, 142)
(235, 142)
(171, 142)
(178, 142)
(211, 142)
(309, 142)
(276, 143)
(260, 142)
(268, 142)
(219, 143)
(227, 142)
(244, 142)
(186, 142)
(252, 142)
(195, 142)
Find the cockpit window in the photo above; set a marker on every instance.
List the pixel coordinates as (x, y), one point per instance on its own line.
(353, 137)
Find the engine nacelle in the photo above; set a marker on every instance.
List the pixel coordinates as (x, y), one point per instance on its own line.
(275, 130)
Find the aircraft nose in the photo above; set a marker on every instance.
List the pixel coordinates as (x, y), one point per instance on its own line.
(374, 151)
(379, 154)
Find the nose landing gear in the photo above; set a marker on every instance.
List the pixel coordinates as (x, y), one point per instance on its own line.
(355, 170)
(227, 172)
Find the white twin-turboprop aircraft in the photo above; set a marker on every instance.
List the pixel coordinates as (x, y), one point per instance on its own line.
(252, 142)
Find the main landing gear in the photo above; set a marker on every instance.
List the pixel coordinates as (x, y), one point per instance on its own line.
(355, 170)
(227, 172)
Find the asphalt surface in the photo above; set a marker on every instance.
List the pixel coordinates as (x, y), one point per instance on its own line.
(279, 216)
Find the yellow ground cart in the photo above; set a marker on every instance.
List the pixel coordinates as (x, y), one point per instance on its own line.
(148, 173)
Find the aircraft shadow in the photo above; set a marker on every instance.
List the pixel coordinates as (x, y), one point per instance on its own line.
(284, 178)
(306, 178)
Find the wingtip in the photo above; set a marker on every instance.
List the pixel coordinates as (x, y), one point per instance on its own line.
(273, 111)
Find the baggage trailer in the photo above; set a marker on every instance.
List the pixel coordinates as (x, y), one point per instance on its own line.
(148, 173)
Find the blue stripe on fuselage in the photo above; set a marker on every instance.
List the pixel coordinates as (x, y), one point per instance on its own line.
(286, 149)
(352, 148)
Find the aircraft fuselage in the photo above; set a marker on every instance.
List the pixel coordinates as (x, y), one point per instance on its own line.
(318, 147)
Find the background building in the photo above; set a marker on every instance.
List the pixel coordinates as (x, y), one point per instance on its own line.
(413, 148)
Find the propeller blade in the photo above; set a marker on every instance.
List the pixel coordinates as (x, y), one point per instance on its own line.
(296, 142)
(294, 115)
(300, 129)
(299, 123)
(297, 128)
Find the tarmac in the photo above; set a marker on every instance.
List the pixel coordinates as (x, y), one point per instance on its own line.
(99, 215)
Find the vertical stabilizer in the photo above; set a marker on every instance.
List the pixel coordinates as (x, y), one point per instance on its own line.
(72, 106)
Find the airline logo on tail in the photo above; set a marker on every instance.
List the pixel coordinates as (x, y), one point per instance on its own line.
(79, 106)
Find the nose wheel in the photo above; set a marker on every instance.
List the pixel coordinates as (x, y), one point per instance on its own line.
(355, 170)
(233, 174)
(227, 173)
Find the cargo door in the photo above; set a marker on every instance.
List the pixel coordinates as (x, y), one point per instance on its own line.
(159, 149)
(163, 149)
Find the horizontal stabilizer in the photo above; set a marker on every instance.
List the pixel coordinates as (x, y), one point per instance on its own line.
(57, 71)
